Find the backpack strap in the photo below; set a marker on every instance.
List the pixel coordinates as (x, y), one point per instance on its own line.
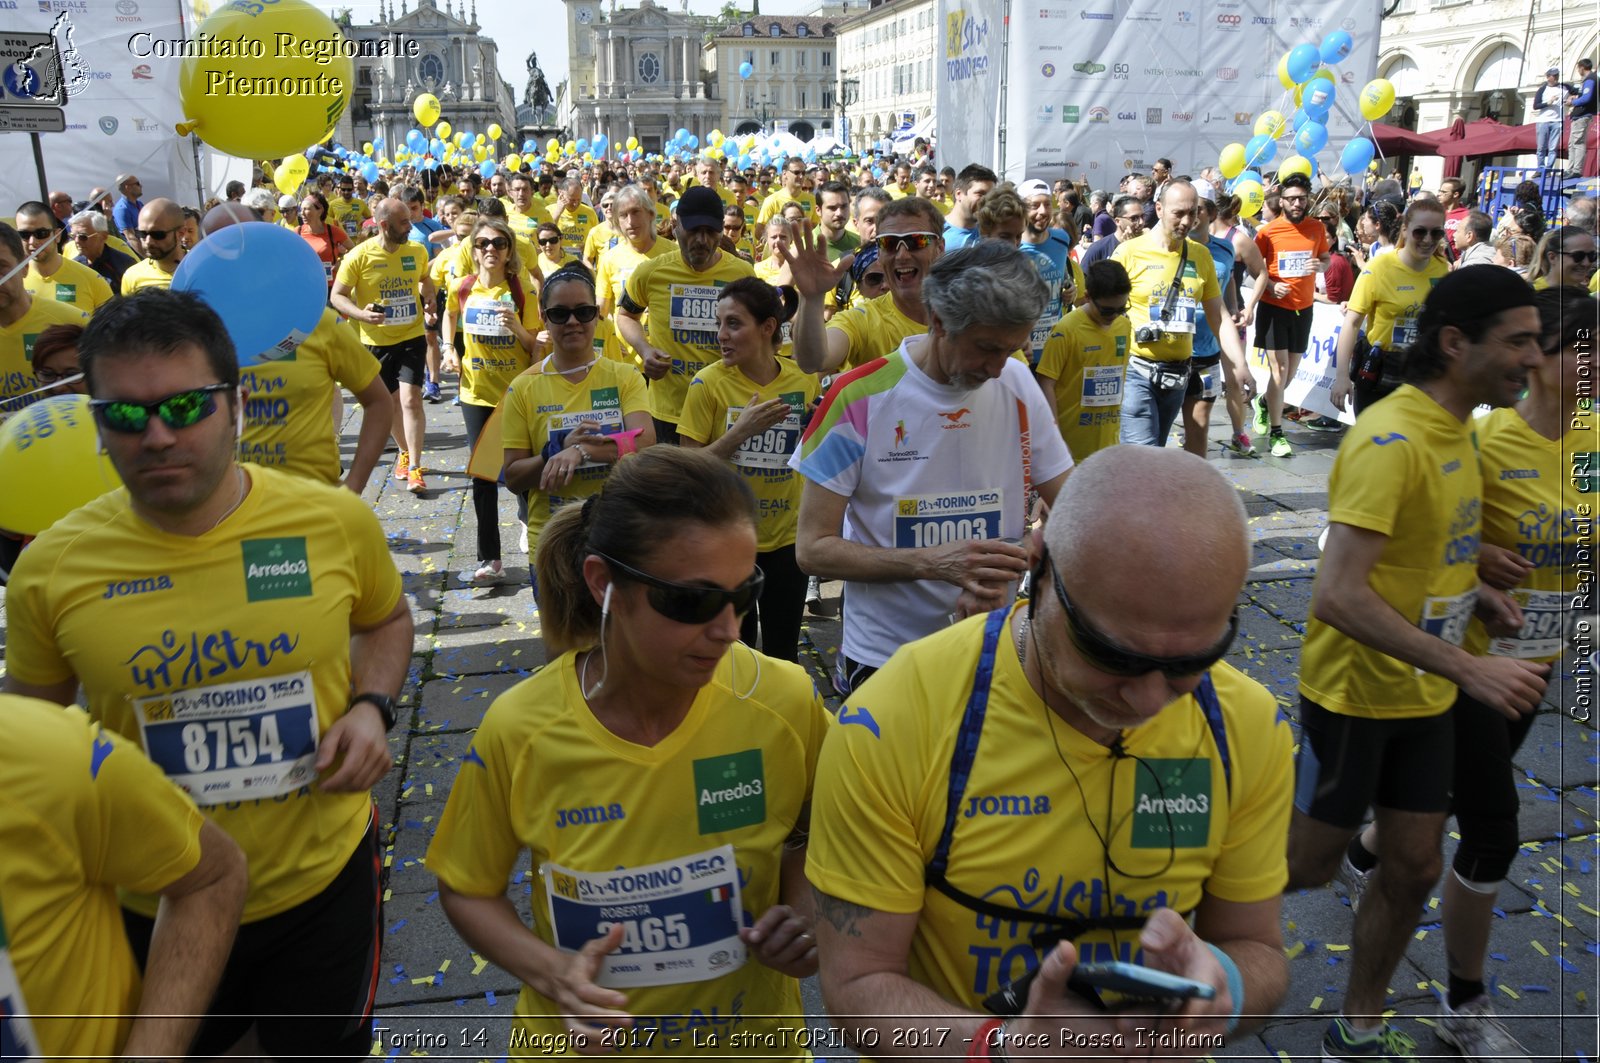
(966, 750)
(1205, 695)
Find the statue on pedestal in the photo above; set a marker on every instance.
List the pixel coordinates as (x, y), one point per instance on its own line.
(537, 94)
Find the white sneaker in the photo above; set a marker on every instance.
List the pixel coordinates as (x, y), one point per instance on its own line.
(1478, 1034)
(522, 536)
(813, 590)
(489, 574)
(1353, 881)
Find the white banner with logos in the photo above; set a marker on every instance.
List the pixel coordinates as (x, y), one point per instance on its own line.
(1098, 88)
(966, 76)
(1313, 380)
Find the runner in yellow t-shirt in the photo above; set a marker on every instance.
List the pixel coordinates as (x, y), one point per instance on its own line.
(108, 820)
(558, 415)
(1085, 362)
(638, 243)
(749, 409)
(22, 317)
(792, 191)
(526, 209)
(701, 751)
(573, 217)
(160, 221)
(348, 210)
(221, 615)
(51, 276)
(606, 235)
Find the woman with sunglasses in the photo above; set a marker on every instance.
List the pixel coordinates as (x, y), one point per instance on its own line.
(651, 750)
(634, 216)
(1384, 308)
(497, 314)
(570, 419)
(55, 361)
(749, 409)
(551, 257)
(328, 241)
(1565, 259)
(774, 266)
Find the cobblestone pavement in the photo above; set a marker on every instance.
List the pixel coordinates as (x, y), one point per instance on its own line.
(437, 998)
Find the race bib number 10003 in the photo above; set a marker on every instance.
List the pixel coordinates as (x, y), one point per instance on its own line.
(932, 520)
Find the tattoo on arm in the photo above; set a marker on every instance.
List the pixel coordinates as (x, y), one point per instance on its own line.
(841, 915)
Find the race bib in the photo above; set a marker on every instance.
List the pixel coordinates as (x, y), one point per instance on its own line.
(1036, 340)
(932, 520)
(237, 741)
(1546, 617)
(1183, 314)
(1102, 385)
(327, 271)
(770, 449)
(399, 310)
(481, 317)
(562, 424)
(680, 918)
(1292, 264)
(1404, 335)
(352, 225)
(1446, 617)
(692, 313)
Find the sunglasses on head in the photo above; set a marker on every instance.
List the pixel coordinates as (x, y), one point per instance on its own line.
(685, 603)
(546, 241)
(154, 234)
(560, 315)
(181, 410)
(1427, 234)
(893, 242)
(498, 243)
(1582, 258)
(1106, 656)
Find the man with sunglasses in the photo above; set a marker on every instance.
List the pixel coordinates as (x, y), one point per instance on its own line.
(91, 246)
(220, 615)
(22, 317)
(346, 209)
(1127, 215)
(159, 228)
(1382, 663)
(52, 276)
(792, 191)
(1085, 362)
(126, 210)
(1099, 776)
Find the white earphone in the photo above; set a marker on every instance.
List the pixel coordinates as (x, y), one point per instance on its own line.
(605, 603)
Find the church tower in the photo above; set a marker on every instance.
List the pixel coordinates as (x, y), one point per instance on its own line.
(583, 17)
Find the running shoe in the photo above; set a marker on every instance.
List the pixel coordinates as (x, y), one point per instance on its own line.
(1261, 423)
(415, 483)
(1280, 446)
(1323, 424)
(1241, 446)
(1383, 1045)
(489, 574)
(1477, 1033)
(813, 591)
(430, 392)
(1354, 881)
(402, 467)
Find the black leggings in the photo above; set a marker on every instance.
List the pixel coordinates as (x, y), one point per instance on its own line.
(485, 493)
(783, 600)
(1485, 799)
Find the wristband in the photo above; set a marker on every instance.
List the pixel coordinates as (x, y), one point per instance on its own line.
(1235, 984)
(627, 442)
(980, 1047)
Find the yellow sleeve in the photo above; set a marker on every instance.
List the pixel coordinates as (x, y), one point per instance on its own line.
(853, 323)
(32, 654)
(699, 418)
(377, 580)
(532, 320)
(515, 432)
(349, 269)
(99, 290)
(475, 847)
(1361, 300)
(638, 287)
(452, 300)
(635, 397)
(604, 277)
(1370, 479)
(1053, 362)
(126, 287)
(352, 364)
(1253, 862)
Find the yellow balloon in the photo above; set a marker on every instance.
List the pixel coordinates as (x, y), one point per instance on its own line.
(1251, 197)
(633, 143)
(588, 156)
(51, 464)
(1232, 161)
(1271, 124)
(425, 109)
(1294, 164)
(226, 101)
(479, 139)
(459, 137)
(1283, 72)
(442, 130)
(555, 145)
(366, 149)
(514, 161)
(291, 173)
(572, 147)
(479, 152)
(1377, 98)
(715, 137)
(494, 130)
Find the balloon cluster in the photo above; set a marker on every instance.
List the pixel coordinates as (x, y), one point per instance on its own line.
(1305, 72)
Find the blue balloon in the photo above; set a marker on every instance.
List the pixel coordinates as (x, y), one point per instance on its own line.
(681, 134)
(225, 269)
(1336, 47)
(1318, 95)
(1300, 120)
(378, 143)
(1246, 175)
(1357, 155)
(583, 146)
(1312, 138)
(1318, 113)
(600, 144)
(486, 169)
(1303, 62)
(1259, 150)
(745, 70)
(370, 170)
(693, 142)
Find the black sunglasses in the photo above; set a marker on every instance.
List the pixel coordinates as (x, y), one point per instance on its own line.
(1580, 257)
(546, 241)
(874, 278)
(498, 243)
(1427, 234)
(182, 410)
(687, 604)
(36, 234)
(1108, 657)
(560, 315)
(1110, 311)
(153, 234)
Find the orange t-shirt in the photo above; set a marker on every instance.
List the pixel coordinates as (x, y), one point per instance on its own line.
(1291, 252)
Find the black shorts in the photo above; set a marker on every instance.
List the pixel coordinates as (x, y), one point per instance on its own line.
(1281, 329)
(1350, 763)
(405, 362)
(1199, 369)
(306, 978)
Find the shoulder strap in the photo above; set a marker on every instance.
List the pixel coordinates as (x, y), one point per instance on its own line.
(464, 289)
(1206, 696)
(966, 750)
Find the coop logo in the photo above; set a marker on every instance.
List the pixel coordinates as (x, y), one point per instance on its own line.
(1089, 68)
(1181, 116)
(1263, 20)
(127, 11)
(1152, 116)
(1227, 73)
(1099, 115)
(1048, 70)
(1231, 21)
(142, 72)
(1069, 114)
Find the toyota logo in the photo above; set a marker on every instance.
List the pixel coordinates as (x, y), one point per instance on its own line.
(127, 7)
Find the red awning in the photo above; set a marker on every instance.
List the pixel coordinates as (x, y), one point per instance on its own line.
(1392, 140)
(1488, 137)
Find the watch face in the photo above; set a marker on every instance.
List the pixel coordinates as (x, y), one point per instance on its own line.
(585, 16)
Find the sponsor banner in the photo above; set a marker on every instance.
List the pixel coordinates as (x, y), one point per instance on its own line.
(967, 66)
(1313, 380)
(1122, 84)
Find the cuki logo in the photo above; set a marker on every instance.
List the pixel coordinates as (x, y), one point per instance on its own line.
(1227, 73)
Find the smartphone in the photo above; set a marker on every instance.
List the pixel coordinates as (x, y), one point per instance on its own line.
(1128, 981)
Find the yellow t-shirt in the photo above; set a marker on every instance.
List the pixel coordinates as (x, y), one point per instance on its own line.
(616, 265)
(525, 225)
(145, 273)
(349, 214)
(1089, 365)
(72, 283)
(899, 192)
(1532, 493)
(600, 239)
(543, 406)
(1389, 296)
(389, 278)
(1022, 837)
(70, 249)
(682, 323)
(775, 203)
(16, 350)
(1408, 470)
(84, 813)
(717, 396)
(574, 225)
(875, 328)
(226, 656)
(492, 357)
(544, 775)
(1151, 268)
(286, 422)
(945, 204)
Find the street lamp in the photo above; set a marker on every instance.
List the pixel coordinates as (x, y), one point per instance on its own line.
(849, 92)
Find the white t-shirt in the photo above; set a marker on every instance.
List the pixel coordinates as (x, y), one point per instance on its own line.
(922, 464)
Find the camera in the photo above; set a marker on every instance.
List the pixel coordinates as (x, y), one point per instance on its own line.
(1149, 333)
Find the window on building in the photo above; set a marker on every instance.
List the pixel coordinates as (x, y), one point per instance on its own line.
(827, 60)
(800, 59)
(750, 57)
(649, 68)
(749, 29)
(775, 30)
(776, 59)
(802, 30)
(827, 99)
(802, 100)
(431, 68)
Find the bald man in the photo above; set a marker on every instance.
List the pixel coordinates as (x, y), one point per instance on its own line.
(159, 223)
(1094, 760)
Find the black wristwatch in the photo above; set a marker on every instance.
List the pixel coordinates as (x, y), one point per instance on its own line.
(384, 704)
